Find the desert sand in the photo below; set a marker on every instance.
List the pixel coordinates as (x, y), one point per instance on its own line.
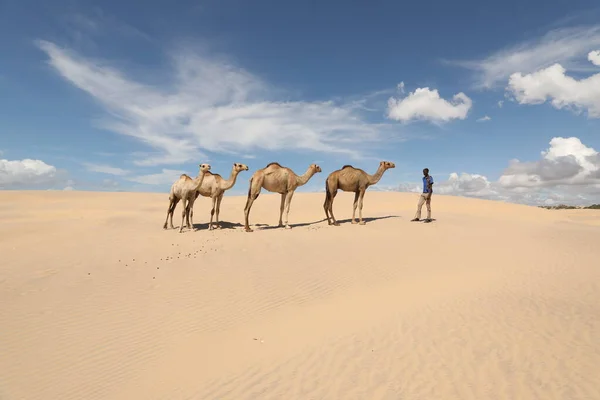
(490, 301)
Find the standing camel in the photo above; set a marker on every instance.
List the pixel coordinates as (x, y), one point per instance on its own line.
(184, 189)
(350, 179)
(278, 179)
(214, 186)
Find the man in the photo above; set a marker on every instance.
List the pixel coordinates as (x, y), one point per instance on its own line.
(425, 196)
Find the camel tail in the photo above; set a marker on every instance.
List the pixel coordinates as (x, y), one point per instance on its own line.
(327, 194)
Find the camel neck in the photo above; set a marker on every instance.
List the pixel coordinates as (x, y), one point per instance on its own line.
(302, 179)
(228, 184)
(373, 179)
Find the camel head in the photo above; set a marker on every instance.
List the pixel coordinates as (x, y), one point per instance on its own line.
(315, 168)
(240, 167)
(387, 165)
(204, 168)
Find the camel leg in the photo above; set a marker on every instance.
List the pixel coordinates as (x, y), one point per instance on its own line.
(177, 199)
(191, 210)
(184, 212)
(360, 206)
(218, 226)
(288, 202)
(253, 192)
(169, 210)
(172, 205)
(190, 213)
(354, 205)
(328, 199)
(326, 208)
(212, 212)
(281, 208)
(334, 222)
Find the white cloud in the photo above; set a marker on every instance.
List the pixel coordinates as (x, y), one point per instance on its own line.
(211, 105)
(465, 184)
(563, 91)
(567, 173)
(26, 173)
(594, 57)
(401, 87)
(105, 169)
(564, 45)
(426, 104)
(566, 162)
(166, 177)
(484, 119)
(500, 103)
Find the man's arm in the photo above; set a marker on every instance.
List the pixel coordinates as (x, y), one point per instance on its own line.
(430, 184)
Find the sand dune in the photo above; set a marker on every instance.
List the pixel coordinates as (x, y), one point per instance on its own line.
(491, 301)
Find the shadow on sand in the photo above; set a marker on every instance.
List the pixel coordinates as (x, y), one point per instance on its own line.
(343, 221)
(423, 221)
(223, 224)
(267, 227)
(367, 220)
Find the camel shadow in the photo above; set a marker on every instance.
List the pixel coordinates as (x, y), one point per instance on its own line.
(367, 220)
(223, 224)
(343, 221)
(267, 227)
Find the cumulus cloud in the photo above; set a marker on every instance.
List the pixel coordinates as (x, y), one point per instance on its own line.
(463, 184)
(563, 91)
(563, 45)
(473, 185)
(26, 173)
(566, 162)
(567, 173)
(426, 104)
(210, 105)
(484, 119)
(105, 169)
(594, 57)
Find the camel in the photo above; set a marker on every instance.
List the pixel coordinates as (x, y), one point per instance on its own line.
(278, 179)
(184, 189)
(350, 179)
(214, 186)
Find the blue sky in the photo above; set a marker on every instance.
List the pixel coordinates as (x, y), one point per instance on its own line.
(499, 100)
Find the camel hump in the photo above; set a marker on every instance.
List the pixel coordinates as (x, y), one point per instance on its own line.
(274, 163)
(347, 166)
(185, 176)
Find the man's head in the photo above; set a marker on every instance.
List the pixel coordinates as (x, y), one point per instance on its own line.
(426, 172)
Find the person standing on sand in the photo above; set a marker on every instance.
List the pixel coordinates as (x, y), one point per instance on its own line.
(425, 196)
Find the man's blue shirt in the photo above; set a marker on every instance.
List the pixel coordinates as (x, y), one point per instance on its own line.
(425, 179)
